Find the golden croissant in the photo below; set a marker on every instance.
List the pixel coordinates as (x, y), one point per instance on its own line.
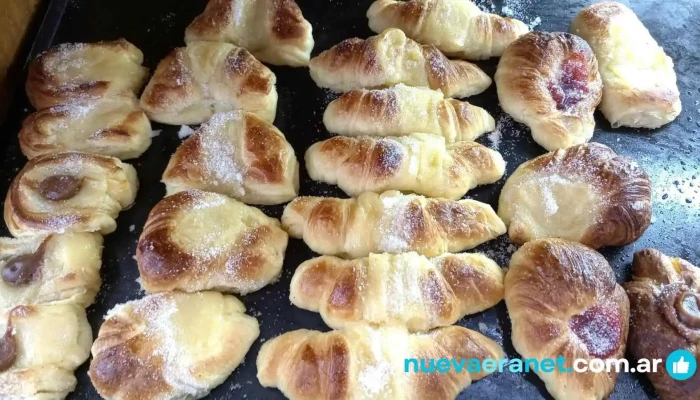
(457, 27)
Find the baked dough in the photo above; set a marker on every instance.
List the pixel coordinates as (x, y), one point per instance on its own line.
(639, 83)
(456, 27)
(406, 290)
(275, 31)
(48, 269)
(170, 346)
(390, 222)
(550, 82)
(114, 126)
(562, 299)
(194, 82)
(585, 193)
(85, 72)
(364, 363)
(69, 192)
(196, 240)
(420, 163)
(391, 58)
(664, 296)
(40, 347)
(402, 110)
(237, 154)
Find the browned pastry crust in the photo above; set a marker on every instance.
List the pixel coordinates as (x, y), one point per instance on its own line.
(664, 298)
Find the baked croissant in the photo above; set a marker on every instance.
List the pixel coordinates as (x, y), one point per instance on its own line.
(419, 163)
(391, 222)
(563, 300)
(406, 290)
(391, 58)
(170, 346)
(664, 298)
(639, 83)
(456, 27)
(237, 154)
(196, 240)
(550, 82)
(114, 126)
(40, 347)
(402, 110)
(85, 72)
(364, 363)
(194, 82)
(585, 193)
(50, 269)
(69, 192)
(275, 31)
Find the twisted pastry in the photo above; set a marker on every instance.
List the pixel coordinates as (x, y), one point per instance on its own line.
(390, 222)
(419, 163)
(391, 58)
(406, 290)
(456, 27)
(69, 192)
(402, 110)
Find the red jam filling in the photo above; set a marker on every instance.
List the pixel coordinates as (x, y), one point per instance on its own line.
(599, 328)
(571, 84)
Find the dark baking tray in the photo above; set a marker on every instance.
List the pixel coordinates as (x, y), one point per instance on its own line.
(670, 156)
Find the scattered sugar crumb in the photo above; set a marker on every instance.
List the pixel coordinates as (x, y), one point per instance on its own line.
(132, 228)
(185, 131)
(156, 132)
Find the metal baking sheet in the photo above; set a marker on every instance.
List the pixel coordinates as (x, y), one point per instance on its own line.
(670, 155)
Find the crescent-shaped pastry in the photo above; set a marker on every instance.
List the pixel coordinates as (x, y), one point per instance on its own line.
(402, 110)
(391, 222)
(419, 163)
(114, 126)
(456, 27)
(237, 154)
(550, 82)
(391, 58)
(50, 269)
(563, 300)
(664, 299)
(195, 241)
(170, 346)
(275, 31)
(366, 363)
(585, 193)
(639, 83)
(40, 347)
(69, 192)
(194, 82)
(406, 290)
(85, 72)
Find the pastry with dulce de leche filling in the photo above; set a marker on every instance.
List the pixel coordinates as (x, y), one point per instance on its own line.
(563, 299)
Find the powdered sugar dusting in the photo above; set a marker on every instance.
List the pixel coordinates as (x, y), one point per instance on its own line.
(396, 228)
(185, 132)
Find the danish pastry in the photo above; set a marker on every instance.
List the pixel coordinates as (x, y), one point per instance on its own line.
(563, 300)
(550, 82)
(237, 154)
(585, 193)
(85, 72)
(402, 110)
(405, 290)
(40, 347)
(194, 82)
(275, 31)
(364, 363)
(664, 298)
(113, 126)
(196, 240)
(639, 83)
(456, 27)
(48, 269)
(391, 223)
(391, 58)
(69, 192)
(170, 346)
(419, 163)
